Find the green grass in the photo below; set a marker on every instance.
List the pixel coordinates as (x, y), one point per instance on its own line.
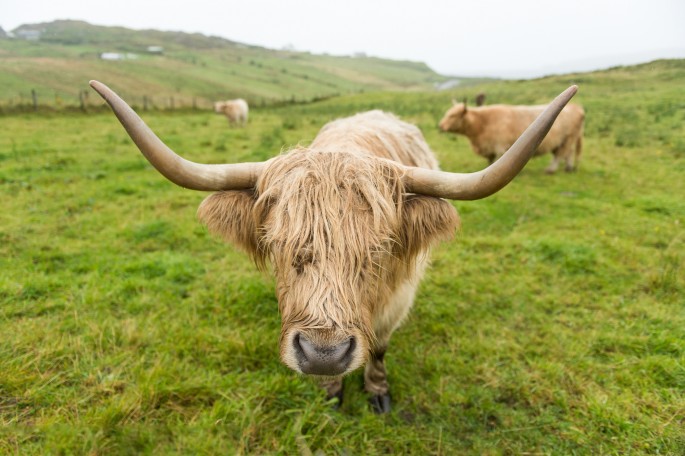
(553, 324)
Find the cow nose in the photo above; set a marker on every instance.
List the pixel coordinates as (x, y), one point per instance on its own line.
(323, 359)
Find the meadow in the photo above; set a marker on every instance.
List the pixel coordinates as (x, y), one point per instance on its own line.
(554, 322)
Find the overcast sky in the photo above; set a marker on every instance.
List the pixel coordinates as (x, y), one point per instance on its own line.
(509, 38)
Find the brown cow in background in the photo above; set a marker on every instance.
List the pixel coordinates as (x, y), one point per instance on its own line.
(493, 129)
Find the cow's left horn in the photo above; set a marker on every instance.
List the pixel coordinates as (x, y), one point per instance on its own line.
(195, 176)
(484, 183)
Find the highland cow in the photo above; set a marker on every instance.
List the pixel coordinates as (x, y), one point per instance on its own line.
(493, 129)
(347, 224)
(235, 110)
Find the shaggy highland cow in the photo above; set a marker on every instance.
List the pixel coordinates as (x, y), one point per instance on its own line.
(235, 110)
(493, 129)
(347, 223)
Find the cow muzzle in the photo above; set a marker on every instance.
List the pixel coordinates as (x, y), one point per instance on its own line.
(444, 126)
(317, 358)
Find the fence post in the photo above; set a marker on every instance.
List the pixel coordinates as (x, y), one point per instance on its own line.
(35, 99)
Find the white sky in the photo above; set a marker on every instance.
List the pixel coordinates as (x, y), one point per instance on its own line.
(510, 38)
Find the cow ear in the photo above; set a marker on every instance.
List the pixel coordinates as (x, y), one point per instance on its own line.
(228, 214)
(425, 221)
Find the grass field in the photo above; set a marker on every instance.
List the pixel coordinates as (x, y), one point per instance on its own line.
(553, 324)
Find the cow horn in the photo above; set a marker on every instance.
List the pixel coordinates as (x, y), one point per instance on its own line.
(178, 170)
(490, 180)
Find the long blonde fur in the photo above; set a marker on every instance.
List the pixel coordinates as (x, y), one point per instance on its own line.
(334, 221)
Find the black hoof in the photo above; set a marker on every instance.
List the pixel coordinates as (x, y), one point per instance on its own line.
(380, 403)
(339, 396)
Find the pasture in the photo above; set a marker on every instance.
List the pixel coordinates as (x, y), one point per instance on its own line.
(554, 322)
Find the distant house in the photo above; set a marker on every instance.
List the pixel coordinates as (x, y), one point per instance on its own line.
(449, 84)
(28, 34)
(112, 56)
(155, 49)
(117, 56)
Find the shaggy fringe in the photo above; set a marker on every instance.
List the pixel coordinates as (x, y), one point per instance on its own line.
(328, 222)
(334, 221)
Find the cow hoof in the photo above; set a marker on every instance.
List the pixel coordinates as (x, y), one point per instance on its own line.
(380, 403)
(339, 396)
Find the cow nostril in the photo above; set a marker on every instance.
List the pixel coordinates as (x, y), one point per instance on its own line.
(352, 344)
(323, 359)
(298, 344)
(304, 346)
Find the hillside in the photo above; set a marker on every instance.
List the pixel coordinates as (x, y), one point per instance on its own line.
(173, 68)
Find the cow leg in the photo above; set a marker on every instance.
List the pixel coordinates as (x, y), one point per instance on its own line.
(376, 381)
(334, 389)
(574, 155)
(552, 168)
(391, 316)
(566, 153)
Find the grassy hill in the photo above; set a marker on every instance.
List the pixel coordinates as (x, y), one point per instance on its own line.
(553, 324)
(63, 55)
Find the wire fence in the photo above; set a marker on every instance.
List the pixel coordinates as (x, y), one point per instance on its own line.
(86, 100)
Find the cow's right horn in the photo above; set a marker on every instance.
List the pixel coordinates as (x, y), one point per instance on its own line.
(484, 183)
(178, 170)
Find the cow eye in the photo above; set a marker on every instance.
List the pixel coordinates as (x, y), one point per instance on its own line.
(301, 260)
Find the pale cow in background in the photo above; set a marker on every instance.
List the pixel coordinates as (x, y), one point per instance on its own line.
(493, 129)
(235, 110)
